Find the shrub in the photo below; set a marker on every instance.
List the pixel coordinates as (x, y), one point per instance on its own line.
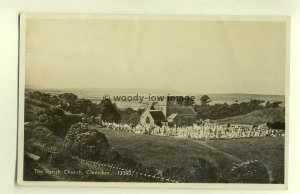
(36, 136)
(56, 120)
(251, 172)
(86, 143)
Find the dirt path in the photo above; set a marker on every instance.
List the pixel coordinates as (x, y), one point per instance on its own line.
(214, 149)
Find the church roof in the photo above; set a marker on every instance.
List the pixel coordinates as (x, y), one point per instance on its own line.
(158, 116)
(171, 117)
(182, 110)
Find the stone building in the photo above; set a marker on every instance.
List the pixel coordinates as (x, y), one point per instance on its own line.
(168, 113)
(153, 116)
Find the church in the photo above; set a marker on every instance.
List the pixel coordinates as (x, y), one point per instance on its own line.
(169, 113)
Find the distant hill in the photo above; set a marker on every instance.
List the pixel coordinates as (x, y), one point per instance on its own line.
(238, 98)
(96, 95)
(257, 117)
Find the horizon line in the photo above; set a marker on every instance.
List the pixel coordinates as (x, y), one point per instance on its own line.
(166, 90)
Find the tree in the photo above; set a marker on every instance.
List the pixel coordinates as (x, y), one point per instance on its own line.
(44, 97)
(276, 125)
(220, 111)
(109, 111)
(256, 101)
(85, 106)
(55, 120)
(275, 104)
(69, 97)
(130, 116)
(204, 100)
(68, 102)
(86, 143)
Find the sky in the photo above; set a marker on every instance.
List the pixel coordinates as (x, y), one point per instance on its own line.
(192, 56)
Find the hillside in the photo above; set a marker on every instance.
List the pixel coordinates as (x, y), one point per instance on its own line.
(268, 150)
(164, 152)
(257, 117)
(55, 119)
(151, 150)
(36, 105)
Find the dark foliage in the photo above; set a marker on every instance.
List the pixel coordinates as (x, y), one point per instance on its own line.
(130, 116)
(67, 101)
(251, 172)
(55, 120)
(90, 144)
(109, 111)
(204, 100)
(44, 97)
(275, 104)
(220, 111)
(86, 143)
(276, 125)
(73, 104)
(40, 135)
(204, 171)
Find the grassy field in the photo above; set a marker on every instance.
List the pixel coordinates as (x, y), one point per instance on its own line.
(257, 117)
(268, 150)
(165, 152)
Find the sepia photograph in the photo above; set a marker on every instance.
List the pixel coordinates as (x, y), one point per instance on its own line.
(153, 101)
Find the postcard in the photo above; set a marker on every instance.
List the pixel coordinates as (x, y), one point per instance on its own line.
(156, 101)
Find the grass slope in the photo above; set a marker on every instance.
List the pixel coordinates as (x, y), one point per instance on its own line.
(256, 117)
(165, 152)
(268, 150)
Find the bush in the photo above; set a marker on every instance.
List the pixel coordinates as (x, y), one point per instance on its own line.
(56, 121)
(86, 143)
(41, 135)
(52, 121)
(276, 125)
(251, 172)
